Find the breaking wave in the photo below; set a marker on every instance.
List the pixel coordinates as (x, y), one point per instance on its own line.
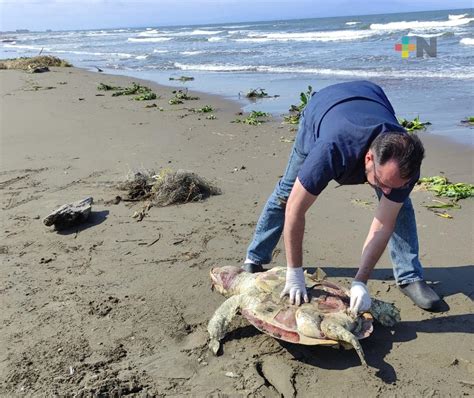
(196, 32)
(404, 25)
(326, 71)
(55, 51)
(336, 35)
(148, 39)
(192, 52)
(458, 16)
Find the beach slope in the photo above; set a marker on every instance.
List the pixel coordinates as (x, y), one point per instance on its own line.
(120, 306)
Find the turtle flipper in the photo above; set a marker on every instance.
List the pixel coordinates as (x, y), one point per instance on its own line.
(219, 323)
(336, 331)
(385, 313)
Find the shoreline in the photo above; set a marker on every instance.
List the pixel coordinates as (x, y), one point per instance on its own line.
(125, 304)
(453, 130)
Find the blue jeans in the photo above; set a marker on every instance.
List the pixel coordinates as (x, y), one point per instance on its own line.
(403, 244)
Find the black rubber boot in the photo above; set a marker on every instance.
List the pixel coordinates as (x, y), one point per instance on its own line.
(422, 295)
(252, 268)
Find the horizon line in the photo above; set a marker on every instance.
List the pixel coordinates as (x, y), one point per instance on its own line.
(233, 22)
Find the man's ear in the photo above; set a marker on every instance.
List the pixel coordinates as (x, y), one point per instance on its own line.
(369, 156)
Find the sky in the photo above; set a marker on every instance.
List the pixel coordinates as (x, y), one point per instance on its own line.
(93, 14)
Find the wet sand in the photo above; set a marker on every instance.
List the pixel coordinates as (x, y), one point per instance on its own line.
(118, 304)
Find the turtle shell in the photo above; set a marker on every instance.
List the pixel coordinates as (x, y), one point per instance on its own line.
(277, 317)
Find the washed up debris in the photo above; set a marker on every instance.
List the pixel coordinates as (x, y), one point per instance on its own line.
(142, 93)
(296, 110)
(441, 186)
(114, 201)
(469, 121)
(38, 69)
(133, 89)
(254, 119)
(175, 101)
(362, 203)
(287, 140)
(147, 96)
(232, 375)
(443, 214)
(140, 214)
(31, 63)
(204, 109)
(258, 93)
(438, 204)
(37, 88)
(168, 187)
(412, 125)
(70, 214)
(180, 96)
(182, 78)
(108, 87)
(181, 187)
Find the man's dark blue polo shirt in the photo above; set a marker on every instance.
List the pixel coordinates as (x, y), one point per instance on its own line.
(338, 125)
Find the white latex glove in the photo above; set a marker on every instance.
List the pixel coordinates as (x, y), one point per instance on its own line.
(360, 298)
(295, 285)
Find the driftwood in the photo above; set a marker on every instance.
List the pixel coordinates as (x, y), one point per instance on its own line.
(38, 69)
(70, 214)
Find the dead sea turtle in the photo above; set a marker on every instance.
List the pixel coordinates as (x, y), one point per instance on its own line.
(324, 320)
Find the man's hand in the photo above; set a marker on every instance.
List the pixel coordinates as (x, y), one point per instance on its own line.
(360, 298)
(295, 285)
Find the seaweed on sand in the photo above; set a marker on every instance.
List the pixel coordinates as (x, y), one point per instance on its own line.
(142, 93)
(28, 63)
(254, 119)
(441, 186)
(168, 187)
(132, 90)
(296, 110)
(204, 109)
(108, 87)
(180, 96)
(412, 125)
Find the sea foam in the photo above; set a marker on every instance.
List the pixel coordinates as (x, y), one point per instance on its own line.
(404, 25)
(148, 39)
(359, 73)
(337, 35)
(467, 41)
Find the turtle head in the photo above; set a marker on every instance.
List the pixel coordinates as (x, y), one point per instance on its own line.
(226, 279)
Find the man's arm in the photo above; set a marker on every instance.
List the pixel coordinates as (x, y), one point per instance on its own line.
(298, 203)
(379, 234)
(380, 231)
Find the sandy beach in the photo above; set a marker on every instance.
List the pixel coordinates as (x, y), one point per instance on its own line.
(121, 305)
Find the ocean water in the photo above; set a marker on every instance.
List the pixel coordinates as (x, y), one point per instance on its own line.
(284, 57)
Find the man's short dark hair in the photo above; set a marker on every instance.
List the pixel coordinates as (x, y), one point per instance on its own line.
(406, 149)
